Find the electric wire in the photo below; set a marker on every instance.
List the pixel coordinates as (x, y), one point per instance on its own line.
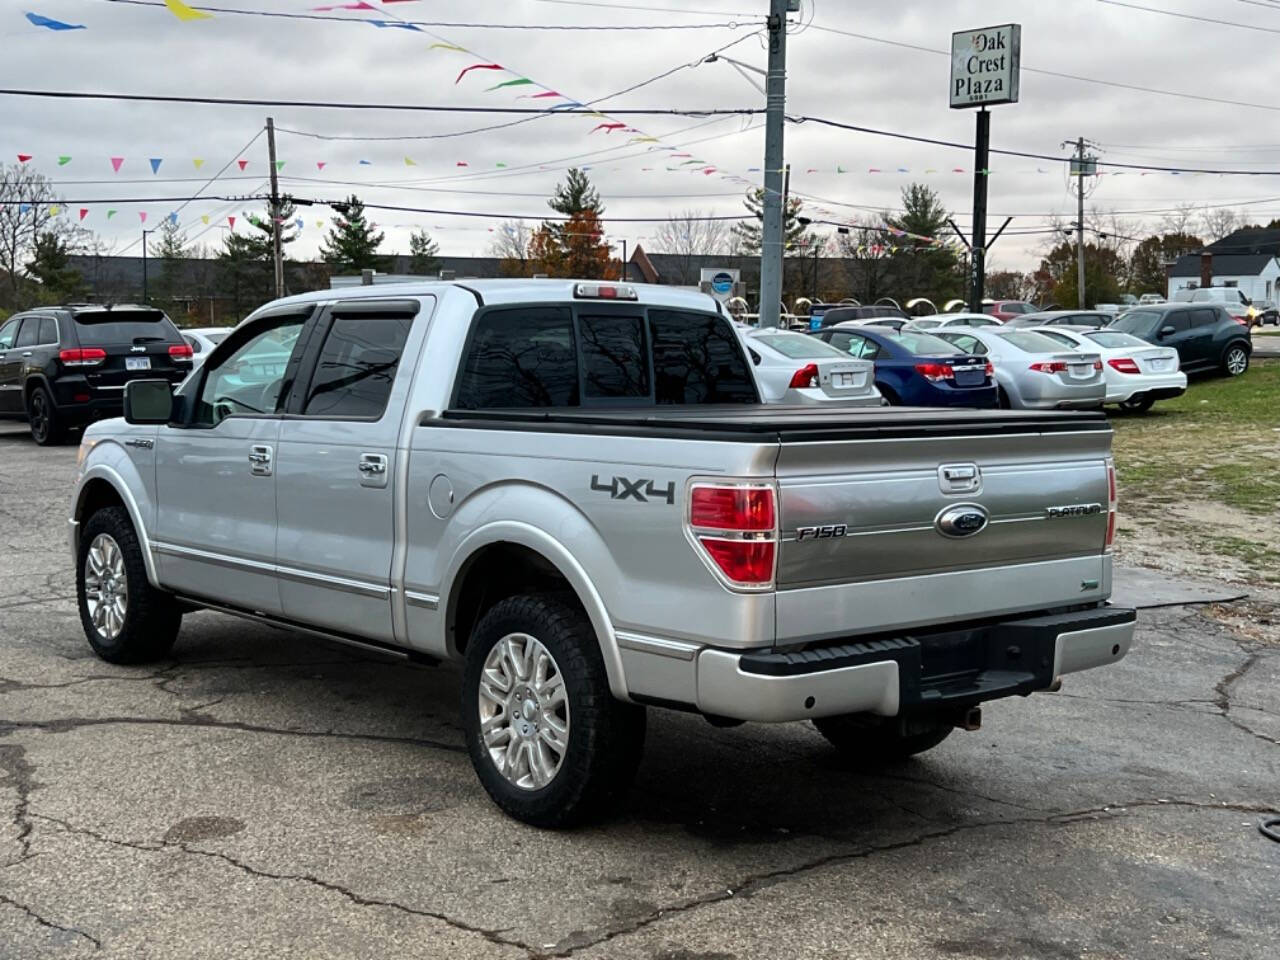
(1191, 16)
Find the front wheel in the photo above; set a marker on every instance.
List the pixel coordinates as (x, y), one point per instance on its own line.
(125, 619)
(1235, 360)
(550, 744)
(872, 740)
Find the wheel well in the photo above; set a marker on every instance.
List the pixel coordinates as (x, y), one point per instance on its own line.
(97, 494)
(29, 388)
(494, 573)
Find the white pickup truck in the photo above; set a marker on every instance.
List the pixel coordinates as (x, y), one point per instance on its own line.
(573, 489)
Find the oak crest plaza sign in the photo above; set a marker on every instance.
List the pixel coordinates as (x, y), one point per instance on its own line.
(985, 66)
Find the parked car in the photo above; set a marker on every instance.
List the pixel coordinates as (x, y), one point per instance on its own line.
(844, 314)
(797, 368)
(1073, 318)
(1265, 312)
(889, 323)
(1232, 299)
(916, 369)
(926, 323)
(1147, 298)
(63, 367)
(202, 340)
(573, 489)
(966, 320)
(1205, 335)
(1034, 372)
(1008, 309)
(1136, 373)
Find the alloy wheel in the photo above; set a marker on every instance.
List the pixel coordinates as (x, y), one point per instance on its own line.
(106, 586)
(524, 711)
(1237, 362)
(39, 417)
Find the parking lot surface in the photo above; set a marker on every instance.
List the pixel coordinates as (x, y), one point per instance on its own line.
(261, 794)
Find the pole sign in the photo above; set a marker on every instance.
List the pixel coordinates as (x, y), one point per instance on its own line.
(985, 66)
(719, 282)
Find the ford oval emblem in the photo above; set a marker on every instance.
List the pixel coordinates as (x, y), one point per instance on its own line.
(962, 520)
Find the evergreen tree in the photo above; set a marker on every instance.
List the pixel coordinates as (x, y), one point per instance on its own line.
(933, 269)
(1146, 266)
(747, 234)
(173, 240)
(50, 265)
(576, 195)
(424, 253)
(352, 243)
(576, 247)
(247, 254)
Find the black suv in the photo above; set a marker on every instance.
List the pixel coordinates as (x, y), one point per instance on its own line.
(1204, 334)
(63, 367)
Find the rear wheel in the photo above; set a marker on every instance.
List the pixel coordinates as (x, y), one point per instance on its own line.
(1002, 399)
(890, 398)
(1235, 360)
(874, 740)
(550, 744)
(1137, 404)
(125, 619)
(46, 427)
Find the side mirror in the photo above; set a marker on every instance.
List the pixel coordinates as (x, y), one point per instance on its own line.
(148, 401)
(1165, 331)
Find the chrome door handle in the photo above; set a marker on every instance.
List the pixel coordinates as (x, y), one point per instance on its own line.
(260, 460)
(27, 353)
(372, 466)
(373, 470)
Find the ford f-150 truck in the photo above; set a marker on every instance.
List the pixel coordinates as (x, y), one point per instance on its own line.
(574, 490)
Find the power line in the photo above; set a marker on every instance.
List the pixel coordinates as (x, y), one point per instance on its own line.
(540, 217)
(1192, 16)
(648, 9)
(1055, 73)
(348, 105)
(331, 18)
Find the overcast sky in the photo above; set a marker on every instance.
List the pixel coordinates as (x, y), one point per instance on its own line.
(146, 49)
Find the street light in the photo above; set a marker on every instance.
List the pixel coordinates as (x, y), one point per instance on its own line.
(144, 263)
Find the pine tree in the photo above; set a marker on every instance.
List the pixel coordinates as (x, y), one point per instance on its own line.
(352, 243)
(575, 247)
(747, 234)
(424, 253)
(50, 264)
(575, 195)
(929, 269)
(173, 241)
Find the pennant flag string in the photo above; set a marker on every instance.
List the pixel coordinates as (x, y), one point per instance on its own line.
(184, 12)
(477, 66)
(50, 24)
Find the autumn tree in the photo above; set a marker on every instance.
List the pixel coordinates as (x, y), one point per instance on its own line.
(1009, 285)
(424, 253)
(1056, 280)
(747, 234)
(352, 242)
(1147, 265)
(575, 248)
(510, 245)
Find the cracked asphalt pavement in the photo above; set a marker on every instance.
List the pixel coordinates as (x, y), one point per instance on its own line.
(265, 795)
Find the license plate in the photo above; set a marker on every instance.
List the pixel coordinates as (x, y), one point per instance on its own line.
(1160, 364)
(137, 363)
(970, 377)
(847, 381)
(1082, 371)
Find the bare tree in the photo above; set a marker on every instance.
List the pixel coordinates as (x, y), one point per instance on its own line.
(689, 235)
(510, 244)
(1216, 223)
(1179, 220)
(25, 212)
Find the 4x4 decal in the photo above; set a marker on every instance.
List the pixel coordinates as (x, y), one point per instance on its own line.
(642, 490)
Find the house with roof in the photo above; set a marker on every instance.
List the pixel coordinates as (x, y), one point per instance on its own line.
(1248, 259)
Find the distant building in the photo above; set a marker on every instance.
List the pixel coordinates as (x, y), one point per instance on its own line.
(1248, 259)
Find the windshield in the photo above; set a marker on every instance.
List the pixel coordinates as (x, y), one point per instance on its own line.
(926, 324)
(799, 347)
(124, 327)
(923, 344)
(1031, 342)
(1135, 321)
(1109, 338)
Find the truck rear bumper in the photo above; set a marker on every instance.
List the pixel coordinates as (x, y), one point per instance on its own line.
(918, 673)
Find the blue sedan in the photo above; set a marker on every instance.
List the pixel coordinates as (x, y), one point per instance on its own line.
(918, 369)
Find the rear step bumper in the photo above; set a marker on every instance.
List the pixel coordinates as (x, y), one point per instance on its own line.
(920, 673)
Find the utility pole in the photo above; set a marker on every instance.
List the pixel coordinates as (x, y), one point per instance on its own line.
(978, 250)
(144, 264)
(277, 253)
(771, 235)
(1080, 221)
(624, 260)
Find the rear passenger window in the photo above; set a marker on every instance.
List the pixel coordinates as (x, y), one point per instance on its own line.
(1204, 317)
(522, 357)
(615, 358)
(48, 330)
(697, 359)
(1181, 320)
(357, 367)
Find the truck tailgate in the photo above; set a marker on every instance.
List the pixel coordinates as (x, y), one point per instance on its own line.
(904, 526)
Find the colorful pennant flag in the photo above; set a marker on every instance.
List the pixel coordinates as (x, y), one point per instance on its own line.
(110, 214)
(115, 164)
(477, 66)
(205, 219)
(461, 163)
(54, 210)
(448, 46)
(155, 164)
(231, 222)
(197, 162)
(608, 127)
(359, 5)
(521, 82)
(142, 215)
(84, 212)
(52, 24)
(279, 165)
(173, 218)
(23, 207)
(409, 162)
(242, 164)
(24, 157)
(63, 161)
(184, 12)
(320, 164)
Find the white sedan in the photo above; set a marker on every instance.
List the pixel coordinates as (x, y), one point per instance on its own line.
(942, 321)
(202, 340)
(799, 369)
(1137, 374)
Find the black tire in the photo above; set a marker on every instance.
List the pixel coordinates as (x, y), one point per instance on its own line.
(874, 741)
(1139, 405)
(47, 428)
(1235, 359)
(889, 396)
(152, 617)
(605, 736)
(1002, 399)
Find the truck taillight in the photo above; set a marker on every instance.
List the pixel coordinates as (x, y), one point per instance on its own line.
(1111, 504)
(1123, 364)
(82, 356)
(734, 527)
(806, 376)
(933, 372)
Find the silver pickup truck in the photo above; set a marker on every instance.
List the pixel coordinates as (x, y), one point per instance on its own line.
(573, 489)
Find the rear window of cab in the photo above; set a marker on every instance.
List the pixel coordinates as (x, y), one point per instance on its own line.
(562, 356)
